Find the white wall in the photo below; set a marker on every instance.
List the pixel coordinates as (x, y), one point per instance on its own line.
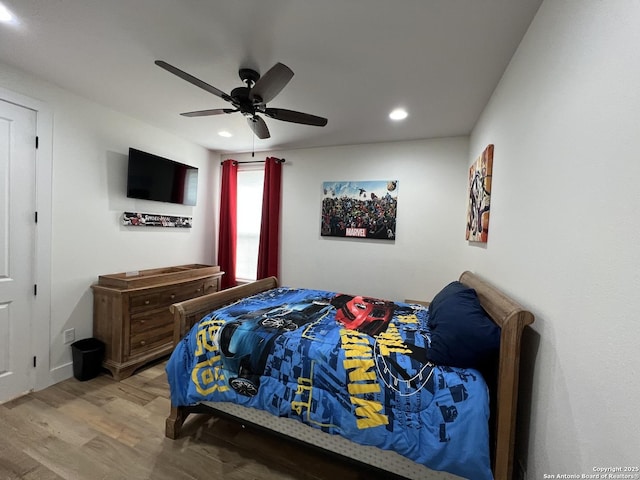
(89, 159)
(565, 121)
(430, 221)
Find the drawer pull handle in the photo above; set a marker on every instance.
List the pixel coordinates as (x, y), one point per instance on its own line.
(147, 302)
(141, 322)
(143, 343)
(173, 295)
(198, 291)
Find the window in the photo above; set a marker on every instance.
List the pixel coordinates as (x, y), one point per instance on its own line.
(250, 186)
(191, 186)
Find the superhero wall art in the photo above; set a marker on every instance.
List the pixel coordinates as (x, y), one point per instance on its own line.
(479, 197)
(360, 209)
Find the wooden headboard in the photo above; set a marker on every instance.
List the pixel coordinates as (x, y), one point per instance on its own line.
(512, 319)
(186, 314)
(508, 314)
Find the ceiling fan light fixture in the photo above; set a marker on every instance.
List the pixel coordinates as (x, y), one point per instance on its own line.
(398, 114)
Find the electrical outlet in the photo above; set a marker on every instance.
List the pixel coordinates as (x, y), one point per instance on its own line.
(69, 335)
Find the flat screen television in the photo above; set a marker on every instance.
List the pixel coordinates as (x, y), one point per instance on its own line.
(151, 177)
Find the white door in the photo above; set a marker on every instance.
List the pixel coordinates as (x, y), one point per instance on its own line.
(17, 248)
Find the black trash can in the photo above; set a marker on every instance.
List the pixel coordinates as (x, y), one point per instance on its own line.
(87, 358)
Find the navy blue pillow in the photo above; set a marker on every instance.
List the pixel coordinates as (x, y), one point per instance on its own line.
(446, 292)
(462, 334)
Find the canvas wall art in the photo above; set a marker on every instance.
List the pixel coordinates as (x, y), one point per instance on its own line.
(136, 219)
(479, 204)
(360, 209)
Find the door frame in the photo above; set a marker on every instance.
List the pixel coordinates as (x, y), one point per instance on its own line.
(41, 321)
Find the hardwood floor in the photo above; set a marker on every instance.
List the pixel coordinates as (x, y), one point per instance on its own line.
(106, 430)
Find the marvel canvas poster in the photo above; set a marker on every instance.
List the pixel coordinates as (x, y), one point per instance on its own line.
(480, 197)
(360, 209)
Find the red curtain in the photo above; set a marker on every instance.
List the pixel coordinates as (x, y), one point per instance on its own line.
(228, 223)
(270, 224)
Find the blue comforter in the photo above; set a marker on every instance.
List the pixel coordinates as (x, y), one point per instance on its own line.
(348, 365)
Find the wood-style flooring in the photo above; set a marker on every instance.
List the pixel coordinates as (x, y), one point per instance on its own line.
(101, 429)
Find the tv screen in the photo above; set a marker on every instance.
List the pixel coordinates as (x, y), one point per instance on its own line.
(151, 177)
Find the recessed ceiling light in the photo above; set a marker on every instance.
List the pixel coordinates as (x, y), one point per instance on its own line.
(5, 15)
(224, 133)
(398, 114)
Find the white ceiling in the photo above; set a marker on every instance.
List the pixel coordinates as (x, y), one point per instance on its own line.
(354, 61)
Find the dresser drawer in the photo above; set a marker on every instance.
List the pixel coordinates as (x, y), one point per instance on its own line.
(211, 285)
(178, 293)
(144, 301)
(164, 296)
(150, 331)
(144, 343)
(149, 321)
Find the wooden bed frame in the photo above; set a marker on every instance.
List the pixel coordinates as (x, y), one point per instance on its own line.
(507, 313)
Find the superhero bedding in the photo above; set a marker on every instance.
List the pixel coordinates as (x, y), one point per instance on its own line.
(353, 366)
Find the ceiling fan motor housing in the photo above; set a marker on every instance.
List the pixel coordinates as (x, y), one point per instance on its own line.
(241, 96)
(249, 76)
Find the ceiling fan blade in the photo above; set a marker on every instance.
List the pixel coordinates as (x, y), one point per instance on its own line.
(295, 117)
(195, 81)
(206, 113)
(258, 126)
(270, 84)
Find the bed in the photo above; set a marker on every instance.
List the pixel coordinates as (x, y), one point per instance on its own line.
(484, 406)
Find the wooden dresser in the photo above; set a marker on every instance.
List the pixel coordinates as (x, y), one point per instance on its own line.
(131, 312)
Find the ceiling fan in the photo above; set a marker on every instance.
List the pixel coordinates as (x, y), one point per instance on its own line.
(251, 99)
